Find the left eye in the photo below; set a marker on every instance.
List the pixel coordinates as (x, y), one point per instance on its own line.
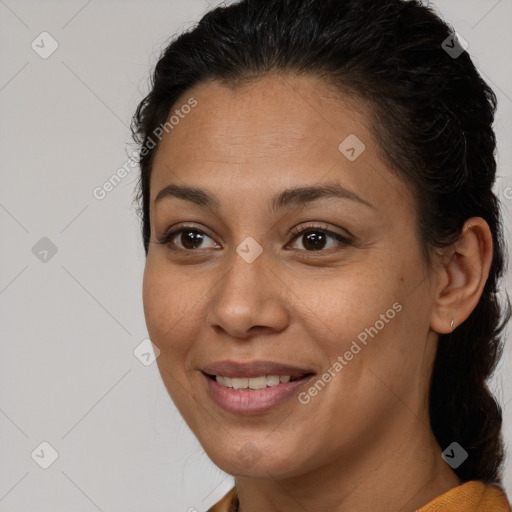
(315, 239)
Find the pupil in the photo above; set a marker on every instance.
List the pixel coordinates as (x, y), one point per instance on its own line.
(317, 241)
(197, 238)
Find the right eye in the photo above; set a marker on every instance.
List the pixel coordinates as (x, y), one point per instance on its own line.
(189, 238)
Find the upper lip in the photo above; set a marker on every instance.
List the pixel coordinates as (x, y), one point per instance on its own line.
(254, 368)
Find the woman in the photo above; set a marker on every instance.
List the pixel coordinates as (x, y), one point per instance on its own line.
(323, 255)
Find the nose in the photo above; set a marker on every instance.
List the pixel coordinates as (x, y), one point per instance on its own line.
(249, 299)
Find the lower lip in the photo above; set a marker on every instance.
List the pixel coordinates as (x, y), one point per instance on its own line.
(253, 401)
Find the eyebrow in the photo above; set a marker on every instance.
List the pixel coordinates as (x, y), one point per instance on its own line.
(290, 198)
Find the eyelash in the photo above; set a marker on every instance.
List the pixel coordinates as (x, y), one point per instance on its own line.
(296, 233)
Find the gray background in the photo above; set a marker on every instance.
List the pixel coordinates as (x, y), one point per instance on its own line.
(70, 321)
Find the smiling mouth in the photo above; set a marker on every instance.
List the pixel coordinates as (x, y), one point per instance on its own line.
(254, 389)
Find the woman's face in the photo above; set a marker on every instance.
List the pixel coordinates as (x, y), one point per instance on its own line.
(347, 304)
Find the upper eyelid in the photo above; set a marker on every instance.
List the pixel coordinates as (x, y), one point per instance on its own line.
(301, 231)
(319, 226)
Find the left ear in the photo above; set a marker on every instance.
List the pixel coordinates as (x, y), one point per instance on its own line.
(463, 276)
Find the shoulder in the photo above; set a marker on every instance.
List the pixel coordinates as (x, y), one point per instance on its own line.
(472, 496)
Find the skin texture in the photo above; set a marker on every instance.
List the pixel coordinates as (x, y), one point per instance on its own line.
(364, 442)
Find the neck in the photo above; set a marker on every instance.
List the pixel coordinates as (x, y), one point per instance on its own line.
(404, 473)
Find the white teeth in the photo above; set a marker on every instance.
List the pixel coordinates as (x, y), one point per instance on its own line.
(272, 380)
(239, 382)
(259, 382)
(224, 381)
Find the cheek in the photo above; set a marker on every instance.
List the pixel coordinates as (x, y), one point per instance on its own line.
(363, 317)
(169, 306)
(344, 306)
(382, 351)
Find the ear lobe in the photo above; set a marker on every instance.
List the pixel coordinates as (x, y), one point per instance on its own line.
(463, 276)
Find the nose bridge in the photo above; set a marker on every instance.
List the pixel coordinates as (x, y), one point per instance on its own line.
(247, 296)
(243, 281)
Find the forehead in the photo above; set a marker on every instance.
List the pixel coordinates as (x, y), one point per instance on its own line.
(280, 129)
(276, 113)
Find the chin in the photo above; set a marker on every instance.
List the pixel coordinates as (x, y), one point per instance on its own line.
(250, 462)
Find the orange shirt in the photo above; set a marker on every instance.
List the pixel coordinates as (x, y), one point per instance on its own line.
(473, 496)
